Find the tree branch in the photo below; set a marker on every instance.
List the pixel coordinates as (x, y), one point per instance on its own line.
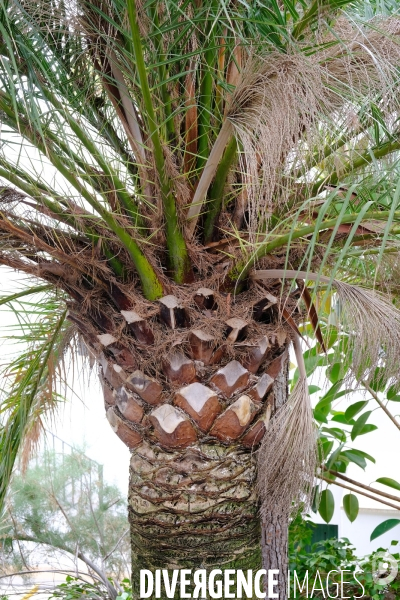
(361, 485)
(346, 487)
(383, 407)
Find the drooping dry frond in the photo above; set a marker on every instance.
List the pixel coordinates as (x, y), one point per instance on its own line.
(369, 319)
(284, 103)
(288, 455)
(373, 325)
(276, 101)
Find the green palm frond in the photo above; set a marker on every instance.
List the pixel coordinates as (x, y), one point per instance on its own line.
(30, 381)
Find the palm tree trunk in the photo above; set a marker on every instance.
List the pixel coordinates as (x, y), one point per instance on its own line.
(193, 509)
(194, 432)
(274, 527)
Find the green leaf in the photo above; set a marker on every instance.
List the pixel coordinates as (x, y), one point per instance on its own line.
(333, 458)
(351, 506)
(326, 505)
(358, 460)
(311, 362)
(312, 389)
(389, 482)
(367, 429)
(321, 412)
(314, 506)
(362, 454)
(337, 433)
(359, 424)
(392, 394)
(340, 417)
(331, 394)
(383, 528)
(340, 465)
(355, 408)
(325, 446)
(333, 373)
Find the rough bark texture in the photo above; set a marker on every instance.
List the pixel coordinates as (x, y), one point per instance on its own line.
(274, 527)
(194, 428)
(193, 509)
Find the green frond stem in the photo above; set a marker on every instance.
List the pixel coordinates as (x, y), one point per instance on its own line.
(206, 90)
(364, 159)
(205, 107)
(162, 71)
(176, 245)
(27, 292)
(315, 11)
(103, 125)
(86, 174)
(240, 271)
(70, 159)
(308, 17)
(151, 285)
(217, 189)
(369, 251)
(12, 434)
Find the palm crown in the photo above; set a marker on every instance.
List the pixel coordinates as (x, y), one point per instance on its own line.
(149, 146)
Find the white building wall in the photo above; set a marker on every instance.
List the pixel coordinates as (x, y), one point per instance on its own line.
(383, 444)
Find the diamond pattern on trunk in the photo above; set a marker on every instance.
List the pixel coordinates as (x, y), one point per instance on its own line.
(201, 346)
(172, 313)
(194, 397)
(254, 435)
(178, 368)
(236, 330)
(231, 379)
(139, 327)
(171, 427)
(147, 388)
(205, 299)
(256, 355)
(259, 391)
(129, 436)
(128, 406)
(113, 373)
(235, 419)
(200, 403)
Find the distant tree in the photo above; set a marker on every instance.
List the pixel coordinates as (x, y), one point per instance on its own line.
(61, 504)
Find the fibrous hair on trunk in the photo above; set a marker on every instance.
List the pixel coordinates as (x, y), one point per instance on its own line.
(288, 455)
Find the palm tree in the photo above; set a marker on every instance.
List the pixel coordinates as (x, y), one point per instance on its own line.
(179, 176)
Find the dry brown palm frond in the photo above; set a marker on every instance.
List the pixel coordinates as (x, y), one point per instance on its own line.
(31, 442)
(369, 319)
(287, 458)
(282, 99)
(373, 325)
(274, 104)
